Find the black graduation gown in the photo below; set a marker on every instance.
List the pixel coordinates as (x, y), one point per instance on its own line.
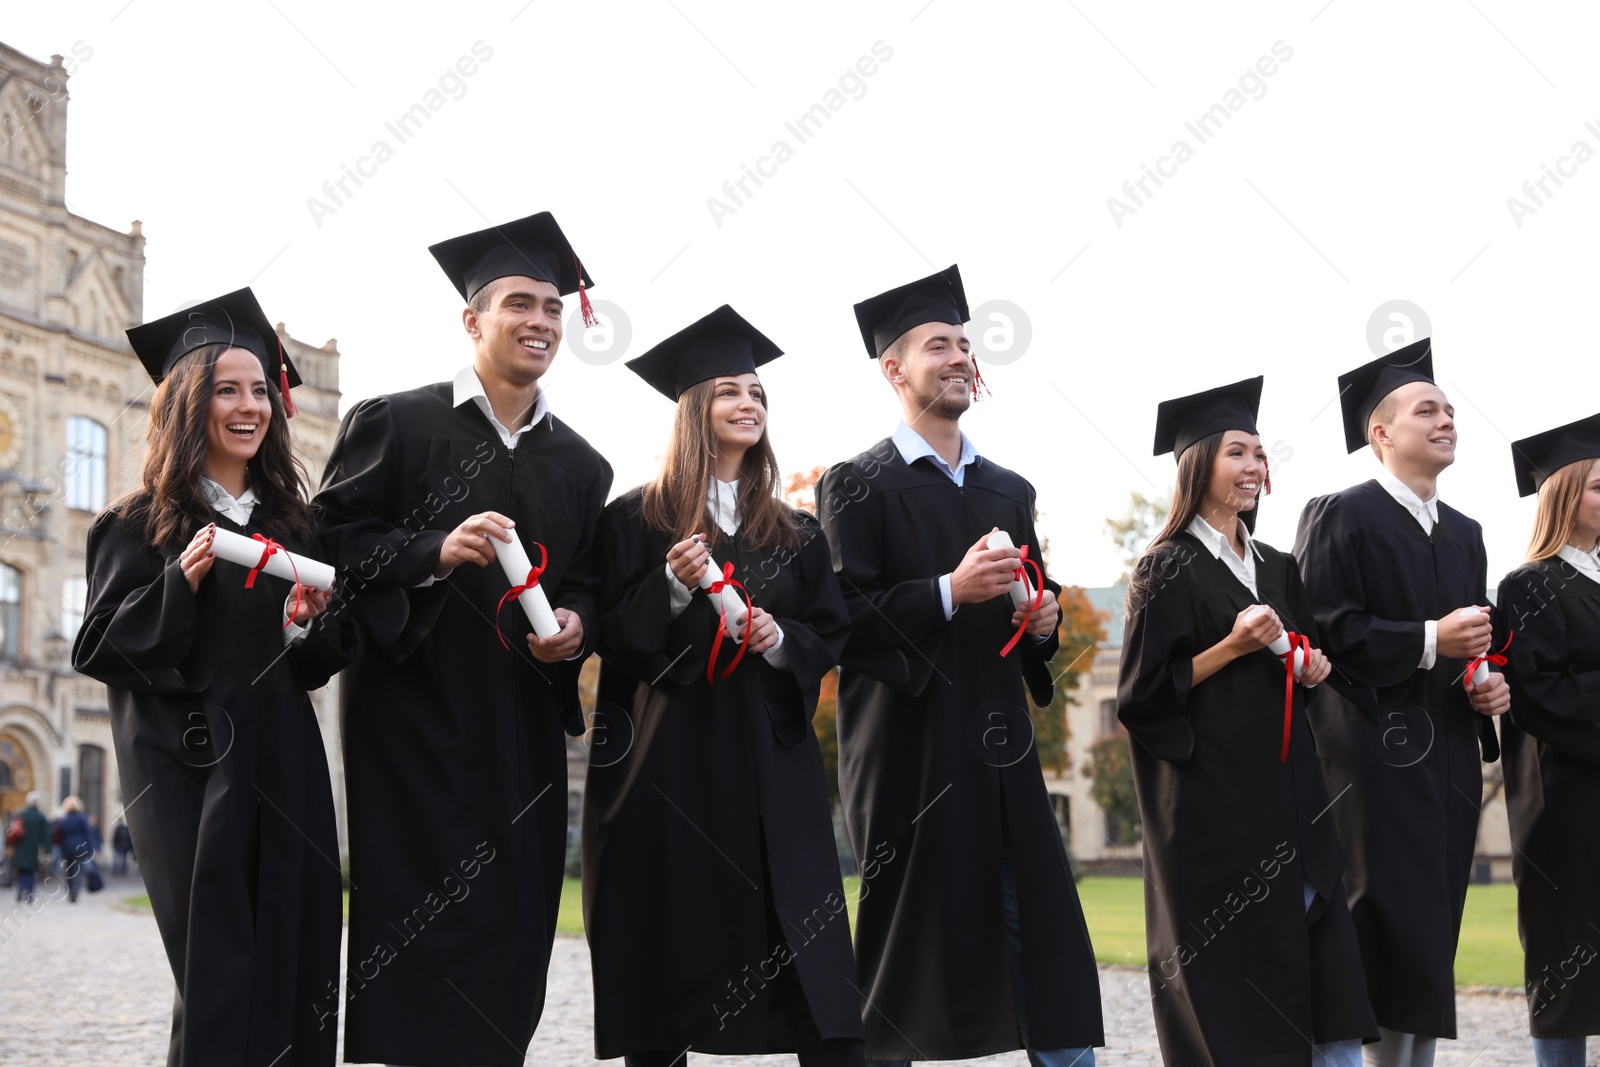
(1405, 741)
(1240, 972)
(936, 759)
(226, 785)
(455, 763)
(1551, 750)
(707, 800)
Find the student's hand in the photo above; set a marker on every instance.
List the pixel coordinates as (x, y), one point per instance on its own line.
(197, 559)
(1464, 636)
(1255, 634)
(1045, 618)
(562, 646)
(313, 602)
(763, 631)
(984, 573)
(1493, 697)
(688, 561)
(1316, 669)
(469, 542)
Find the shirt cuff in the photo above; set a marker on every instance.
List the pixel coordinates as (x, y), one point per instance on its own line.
(293, 632)
(1430, 644)
(430, 579)
(679, 596)
(945, 598)
(775, 655)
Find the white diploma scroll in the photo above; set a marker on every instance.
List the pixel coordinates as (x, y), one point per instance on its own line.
(1481, 674)
(1280, 644)
(515, 562)
(246, 552)
(732, 602)
(1022, 592)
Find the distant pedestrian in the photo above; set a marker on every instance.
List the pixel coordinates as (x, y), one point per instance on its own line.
(121, 845)
(35, 836)
(73, 843)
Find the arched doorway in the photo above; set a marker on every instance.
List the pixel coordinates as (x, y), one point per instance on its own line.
(16, 773)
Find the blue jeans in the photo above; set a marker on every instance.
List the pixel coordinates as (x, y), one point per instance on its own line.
(1558, 1052)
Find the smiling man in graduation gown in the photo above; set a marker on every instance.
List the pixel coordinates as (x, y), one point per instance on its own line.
(969, 938)
(1388, 568)
(455, 760)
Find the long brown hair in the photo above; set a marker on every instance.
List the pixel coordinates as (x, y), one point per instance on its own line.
(1559, 499)
(170, 502)
(675, 503)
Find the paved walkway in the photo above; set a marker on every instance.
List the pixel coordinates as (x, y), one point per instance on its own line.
(88, 983)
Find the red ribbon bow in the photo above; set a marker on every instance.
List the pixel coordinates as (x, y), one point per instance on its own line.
(517, 590)
(1021, 575)
(268, 547)
(715, 590)
(1296, 642)
(1497, 658)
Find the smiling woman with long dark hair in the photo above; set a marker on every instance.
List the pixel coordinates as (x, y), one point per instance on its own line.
(223, 770)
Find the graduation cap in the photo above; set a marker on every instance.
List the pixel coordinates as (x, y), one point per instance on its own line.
(721, 344)
(234, 319)
(885, 318)
(1363, 389)
(533, 247)
(1538, 457)
(1191, 419)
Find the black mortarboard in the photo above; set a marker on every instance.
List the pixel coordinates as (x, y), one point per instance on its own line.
(235, 320)
(1188, 419)
(1538, 457)
(720, 345)
(533, 247)
(937, 298)
(1364, 388)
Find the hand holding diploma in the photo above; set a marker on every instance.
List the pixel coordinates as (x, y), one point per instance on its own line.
(1279, 645)
(985, 571)
(524, 579)
(691, 562)
(269, 557)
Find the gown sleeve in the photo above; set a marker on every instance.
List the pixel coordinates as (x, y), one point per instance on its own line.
(141, 621)
(381, 562)
(1036, 654)
(1550, 698)
(1158, 648)
(1369, 651)
(638, 631)
(815, 630)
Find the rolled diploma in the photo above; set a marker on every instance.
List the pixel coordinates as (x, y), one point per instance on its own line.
(1280, 644)
(732, 602)
(1481, 674)
(515, 562)
(246, 552)
(1021, 592)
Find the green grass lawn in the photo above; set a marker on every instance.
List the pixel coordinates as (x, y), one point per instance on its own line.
(1489, 953)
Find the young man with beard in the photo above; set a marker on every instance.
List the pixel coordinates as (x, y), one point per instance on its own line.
(1390, 572)
(969, 938)
(455, 760)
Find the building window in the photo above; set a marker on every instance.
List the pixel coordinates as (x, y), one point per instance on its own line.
(1108, 717)
(10, 613)
(86, 464)
(91, 781)
(74, 592)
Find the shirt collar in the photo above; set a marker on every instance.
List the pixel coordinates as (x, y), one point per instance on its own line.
(225, 503)
(912, 447)
(1587, 562)
(722, 498)
(467, 386)
(1216, 541)
(1407, 496)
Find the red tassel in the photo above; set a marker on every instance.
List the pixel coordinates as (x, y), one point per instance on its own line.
(589, 317)
(1268, 469)
(283, 383)
(978, 386)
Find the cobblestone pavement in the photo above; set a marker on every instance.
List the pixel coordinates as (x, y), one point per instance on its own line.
(88, 983)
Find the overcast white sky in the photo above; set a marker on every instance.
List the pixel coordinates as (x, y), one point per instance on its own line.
(1373, 164)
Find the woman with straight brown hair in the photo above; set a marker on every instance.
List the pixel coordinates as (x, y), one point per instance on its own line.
(1550, 740)
(712, 898)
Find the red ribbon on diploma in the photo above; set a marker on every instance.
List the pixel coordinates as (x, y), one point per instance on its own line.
(1296, 641)
(268, 547)
(1020, 575)
(1497, 658)
(715, 590)
(517, 590)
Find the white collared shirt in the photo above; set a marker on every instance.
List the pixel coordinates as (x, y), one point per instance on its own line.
(1587, 563)
(468, 386)
(1426, 512)
(1243, 567)
(239, 510)
(722, 499)
(912, 446)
